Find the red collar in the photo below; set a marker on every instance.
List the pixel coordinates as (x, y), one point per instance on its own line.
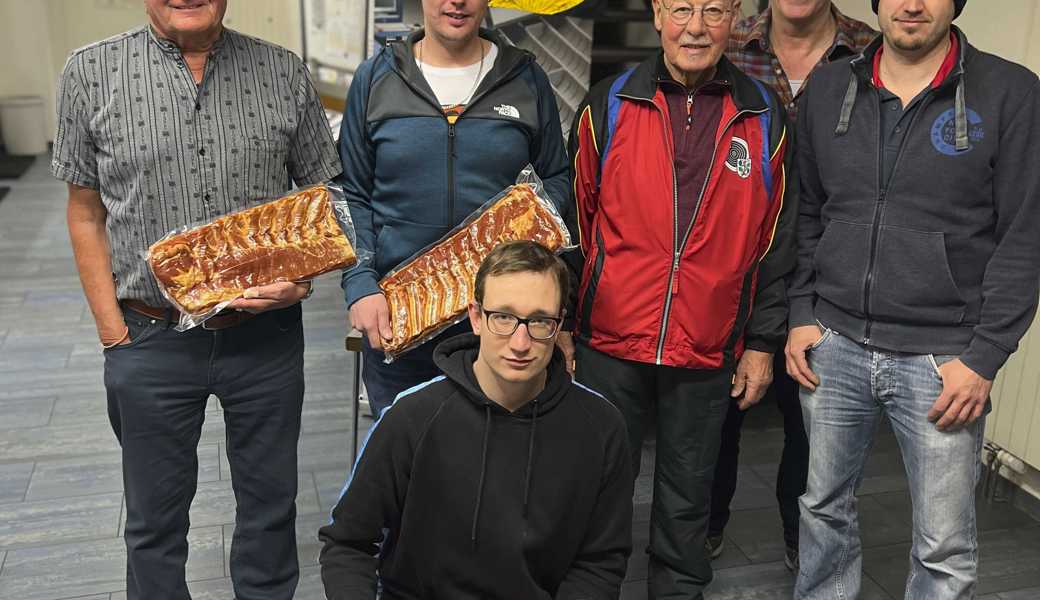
(944, 70)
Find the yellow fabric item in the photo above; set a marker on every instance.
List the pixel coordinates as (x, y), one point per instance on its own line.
(541, 7)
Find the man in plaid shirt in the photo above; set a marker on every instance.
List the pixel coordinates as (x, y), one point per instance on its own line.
(780, 47)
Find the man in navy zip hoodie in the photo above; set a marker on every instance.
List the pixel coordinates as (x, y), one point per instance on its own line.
(501, 479)
(435, 126)
(918, 269)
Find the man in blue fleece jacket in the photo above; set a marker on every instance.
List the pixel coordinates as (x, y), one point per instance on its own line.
(435, 126)
(918, 269)
(501, 479)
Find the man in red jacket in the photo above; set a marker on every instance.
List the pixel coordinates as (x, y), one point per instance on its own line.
(686, 233)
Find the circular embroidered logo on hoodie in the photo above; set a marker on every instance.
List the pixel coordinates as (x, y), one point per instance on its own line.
(944, 132)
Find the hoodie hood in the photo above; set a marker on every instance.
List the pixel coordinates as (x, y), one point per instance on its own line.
(455, 357)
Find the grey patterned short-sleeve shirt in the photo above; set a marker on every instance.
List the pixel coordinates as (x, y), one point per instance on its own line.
(166, 153)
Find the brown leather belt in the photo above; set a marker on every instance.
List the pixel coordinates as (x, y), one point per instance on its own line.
(222, 320)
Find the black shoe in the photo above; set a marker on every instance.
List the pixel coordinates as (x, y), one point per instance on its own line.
(791, 559)
(713, 545)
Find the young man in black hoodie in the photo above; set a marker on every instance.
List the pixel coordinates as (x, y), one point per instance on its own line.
(918, 268)
(500, 479)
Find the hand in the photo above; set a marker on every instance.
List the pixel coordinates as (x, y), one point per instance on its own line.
(753, 376)
(371, 316)
(799, 340)
(565, 342)
(115, 335)
(963, 398)
(271, 297)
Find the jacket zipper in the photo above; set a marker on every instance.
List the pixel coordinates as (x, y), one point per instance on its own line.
(879, 208)
(451, 125)
(677, 247)
(451, 171)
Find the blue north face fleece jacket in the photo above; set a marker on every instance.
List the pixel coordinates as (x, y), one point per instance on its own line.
(410, 175)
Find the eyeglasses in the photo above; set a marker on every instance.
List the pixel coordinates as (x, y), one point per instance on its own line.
(539, 328)
(712, 15)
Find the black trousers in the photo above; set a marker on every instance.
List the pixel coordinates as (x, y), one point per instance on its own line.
(688, 407)
(157, 389)
(383, 382)
(794, 461)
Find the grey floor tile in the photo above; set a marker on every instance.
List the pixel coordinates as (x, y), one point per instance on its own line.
(14, 480)
(63, 441)
(41, 522)
(758, 533)
(75, 569)
(100, 473)
(310, 587)
(25, 412)
(73, 409)
(752, 492)
(1030, 594)
(330, 484)
(768, 581)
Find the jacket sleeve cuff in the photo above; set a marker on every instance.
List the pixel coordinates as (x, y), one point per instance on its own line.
(762, 345)
(358, 285)
(984, 357)
(800, 312)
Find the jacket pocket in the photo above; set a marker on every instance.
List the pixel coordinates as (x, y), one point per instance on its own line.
(841, 263)
(912, 279)
(398, 240)
(592, 272)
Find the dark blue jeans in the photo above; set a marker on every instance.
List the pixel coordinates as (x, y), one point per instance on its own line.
(383, 382)
(157, 389)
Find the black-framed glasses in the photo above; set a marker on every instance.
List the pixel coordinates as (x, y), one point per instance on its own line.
(711, 14)
(506, 324)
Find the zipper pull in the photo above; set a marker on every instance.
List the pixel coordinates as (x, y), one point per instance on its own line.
(675, 274)
(689, 111)
(451, 137)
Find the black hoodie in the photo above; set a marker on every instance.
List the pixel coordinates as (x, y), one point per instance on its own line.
(455, 497)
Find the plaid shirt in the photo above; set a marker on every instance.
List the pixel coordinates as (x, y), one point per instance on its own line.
(749, 49)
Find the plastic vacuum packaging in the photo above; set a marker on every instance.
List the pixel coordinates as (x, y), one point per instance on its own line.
(202, 268)
(429, 292)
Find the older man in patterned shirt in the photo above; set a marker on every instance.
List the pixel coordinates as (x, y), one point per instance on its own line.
(170, 124)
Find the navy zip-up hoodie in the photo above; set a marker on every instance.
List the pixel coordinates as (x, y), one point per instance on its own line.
(946, 258)
(410, 176)
(455, 498)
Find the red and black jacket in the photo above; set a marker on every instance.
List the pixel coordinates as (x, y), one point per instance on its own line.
(650, 292)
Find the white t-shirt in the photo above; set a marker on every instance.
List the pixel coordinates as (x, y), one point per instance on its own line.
(454, 86)
(796, 84)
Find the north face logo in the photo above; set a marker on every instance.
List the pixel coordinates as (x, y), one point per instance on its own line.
(507, 110)
(738, 159)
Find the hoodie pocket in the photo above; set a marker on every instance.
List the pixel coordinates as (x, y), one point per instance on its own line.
(398, 240)
(912, 279)
(841, 263)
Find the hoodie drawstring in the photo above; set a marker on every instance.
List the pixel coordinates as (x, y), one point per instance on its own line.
(846, 106)
(961, 118)
(530, 458)
(483, 469)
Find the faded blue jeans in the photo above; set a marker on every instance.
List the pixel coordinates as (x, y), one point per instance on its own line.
(858, 385)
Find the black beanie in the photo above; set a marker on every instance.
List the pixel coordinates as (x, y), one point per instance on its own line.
(958, 4)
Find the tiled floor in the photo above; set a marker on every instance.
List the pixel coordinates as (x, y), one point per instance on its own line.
(61, 506)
